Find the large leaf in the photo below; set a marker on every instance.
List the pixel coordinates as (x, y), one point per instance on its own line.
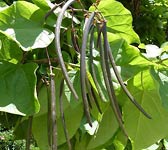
(23, 22)
(18, 88)
(73, 118)
(9, 50)
(119, 20)
(127, 58)
(143, 131)
(106, 130)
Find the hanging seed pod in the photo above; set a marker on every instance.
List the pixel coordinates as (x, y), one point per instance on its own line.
(53, 113)
(58, 46)
(92, 69)
(107, 77)
(122, 83)
(83, 66)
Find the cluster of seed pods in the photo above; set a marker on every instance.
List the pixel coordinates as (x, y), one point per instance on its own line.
(94, 22)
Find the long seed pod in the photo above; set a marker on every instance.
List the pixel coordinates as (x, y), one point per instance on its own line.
(58, 46)
(108, 81)
(52, 108)
(53, 113)
(89, 101)
(122, 84)
(63, 117)
(83, 66)
(49, 121)
(92, 69)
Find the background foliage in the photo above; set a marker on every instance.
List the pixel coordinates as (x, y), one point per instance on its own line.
(24, 73)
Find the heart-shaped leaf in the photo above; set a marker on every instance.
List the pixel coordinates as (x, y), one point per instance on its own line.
(145, 90)
(18, 88)
(22, 21)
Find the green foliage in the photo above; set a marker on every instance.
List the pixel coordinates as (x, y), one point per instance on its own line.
(23, 19)
(119, 20)
(150, 19)
(25, 36)
(8, 141)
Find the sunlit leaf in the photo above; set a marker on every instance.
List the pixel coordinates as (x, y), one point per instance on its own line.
(119, 20)
(143, 131)
(127, 57)
(161, 77)
(22, 21)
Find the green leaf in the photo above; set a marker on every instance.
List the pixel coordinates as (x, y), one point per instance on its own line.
(3, 5)
(161, 77)
(22, 22)
(128, 58)
(143, 131)
(119, 20)
(18, 88)
(72, 124)
(106, 130)
(43, 4)
(9, 50)
(123, 53)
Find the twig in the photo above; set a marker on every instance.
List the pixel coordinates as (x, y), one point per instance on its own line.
(44, 61)
(78, 10)
(52, 10)
(81, 5)
(58, 47)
